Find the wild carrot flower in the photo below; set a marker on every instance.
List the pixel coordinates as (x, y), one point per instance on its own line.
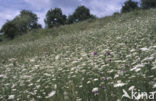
(95, 91)
(51, 94)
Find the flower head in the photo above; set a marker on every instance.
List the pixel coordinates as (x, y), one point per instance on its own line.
(52, 93)
(94, 53)
(95, 91)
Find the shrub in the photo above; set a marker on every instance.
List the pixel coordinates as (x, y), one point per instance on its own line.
(116, 14)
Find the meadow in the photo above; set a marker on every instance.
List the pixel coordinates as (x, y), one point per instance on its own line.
(94, 60)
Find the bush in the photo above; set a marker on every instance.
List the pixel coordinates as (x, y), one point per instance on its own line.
(54, 17)
(129, 6)
(116, 14)
(145, 4)
(80, 14)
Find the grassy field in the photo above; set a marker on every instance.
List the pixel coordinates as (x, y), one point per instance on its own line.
(93, 60)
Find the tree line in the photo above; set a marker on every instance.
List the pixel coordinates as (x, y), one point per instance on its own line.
(130, 5)
(27, 20)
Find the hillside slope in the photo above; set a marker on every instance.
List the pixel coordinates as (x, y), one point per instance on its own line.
(89, 61)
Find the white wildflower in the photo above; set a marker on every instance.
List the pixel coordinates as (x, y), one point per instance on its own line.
(116, 76)
(96, 79)
(57, 57)
(36, 66)
(78, 99)
(25, 76)
(154, 46)
(1, 76)
(144, 49)
(133, 50)
(119, 84)
(32, 60)
(80, 86)
(118, 100)
(46, 74)
(131, 88)
(12, 59)
(88, 82)
(95, 90)
(38, 86)
(154, 86)
(154, 68)
(148, 58)
(137, 67)
(11, 97)
(55, 86)
(110, 71)
(51, 94)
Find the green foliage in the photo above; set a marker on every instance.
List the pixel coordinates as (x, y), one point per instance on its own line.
(145, 4)
(1, 39)
(26, 21)
(55, 17)
(71, 19)
(116, 14)
(129, 6)
(31, 19)
(80, 14)
(66, 63)
(9, 29)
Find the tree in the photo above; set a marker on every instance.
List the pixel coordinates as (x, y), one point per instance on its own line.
(71, 19)
(55, 17)
(22, 23)
(32, 19)
(145, 4)
(80, 14)
(9, 29)
(129, 6)
(27, 20)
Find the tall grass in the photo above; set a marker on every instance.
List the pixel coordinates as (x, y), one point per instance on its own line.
(88, 61)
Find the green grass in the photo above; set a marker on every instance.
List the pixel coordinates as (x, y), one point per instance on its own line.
(111, 54)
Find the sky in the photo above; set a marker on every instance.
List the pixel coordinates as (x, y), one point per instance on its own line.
(11, 8)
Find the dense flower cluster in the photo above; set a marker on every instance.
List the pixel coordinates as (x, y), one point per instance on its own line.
(87, 65)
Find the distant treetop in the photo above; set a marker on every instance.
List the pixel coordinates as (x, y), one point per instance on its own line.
(145, 4)
(80, 14)
(129, 5)
(55, 17)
